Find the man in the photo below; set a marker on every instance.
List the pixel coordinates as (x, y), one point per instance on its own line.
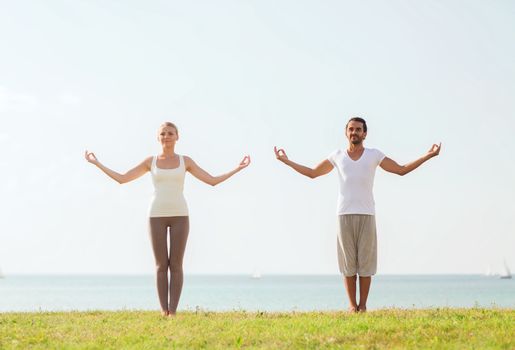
(357, 243)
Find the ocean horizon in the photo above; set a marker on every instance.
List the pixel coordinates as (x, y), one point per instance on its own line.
(271, 293)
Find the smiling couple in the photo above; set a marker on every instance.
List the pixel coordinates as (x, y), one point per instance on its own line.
(356, 241)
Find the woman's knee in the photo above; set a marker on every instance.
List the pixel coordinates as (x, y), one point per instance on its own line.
(162, 266)
(175, 266)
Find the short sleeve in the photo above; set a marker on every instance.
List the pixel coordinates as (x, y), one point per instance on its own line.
(332, 157)
(379, 156)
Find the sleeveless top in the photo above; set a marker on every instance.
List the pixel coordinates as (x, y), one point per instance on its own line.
(168, 199)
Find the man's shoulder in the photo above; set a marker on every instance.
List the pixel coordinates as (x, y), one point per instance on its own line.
(336, 153)
(374, 150)
(335, 157)
(375, 153)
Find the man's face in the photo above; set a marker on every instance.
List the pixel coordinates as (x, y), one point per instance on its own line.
(355, 132)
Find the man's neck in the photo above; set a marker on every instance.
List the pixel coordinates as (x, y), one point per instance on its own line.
(355, 148)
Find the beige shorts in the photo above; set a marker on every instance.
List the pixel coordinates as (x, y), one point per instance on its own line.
(357, 245)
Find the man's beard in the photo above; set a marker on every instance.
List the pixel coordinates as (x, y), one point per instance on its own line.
(356, 141)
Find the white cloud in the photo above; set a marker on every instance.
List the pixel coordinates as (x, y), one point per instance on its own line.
(69, 99)
(15, 101)
(4, 136)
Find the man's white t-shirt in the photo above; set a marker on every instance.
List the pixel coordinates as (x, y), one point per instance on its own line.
(356, 180)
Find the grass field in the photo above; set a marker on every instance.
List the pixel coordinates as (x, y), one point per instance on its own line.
(431, 328)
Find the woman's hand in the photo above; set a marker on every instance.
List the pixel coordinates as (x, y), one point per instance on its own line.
(280, 154)
(90, 157)
(244, 163)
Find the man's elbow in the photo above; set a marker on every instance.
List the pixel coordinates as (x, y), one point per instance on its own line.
(403, 171)
(313, 175)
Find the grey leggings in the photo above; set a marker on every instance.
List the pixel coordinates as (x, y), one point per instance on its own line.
(169, 293)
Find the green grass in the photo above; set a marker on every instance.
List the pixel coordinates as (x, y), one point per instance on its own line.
(432, 328)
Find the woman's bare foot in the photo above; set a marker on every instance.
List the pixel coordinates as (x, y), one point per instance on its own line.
(164, 313)
(362, 308)
(353, 309)
(171, 314)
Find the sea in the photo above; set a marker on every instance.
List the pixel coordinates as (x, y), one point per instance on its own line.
(270, 293)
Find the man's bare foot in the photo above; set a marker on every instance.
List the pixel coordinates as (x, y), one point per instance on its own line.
(362, 308)
(164, 313)
(353, 309)
(171, 314)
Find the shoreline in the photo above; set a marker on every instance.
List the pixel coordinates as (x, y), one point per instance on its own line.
(256, 312)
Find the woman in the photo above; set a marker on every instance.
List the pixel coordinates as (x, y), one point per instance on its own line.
(168, 209)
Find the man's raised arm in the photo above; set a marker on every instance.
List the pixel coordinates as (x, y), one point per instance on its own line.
(322, 168)
(392, 167)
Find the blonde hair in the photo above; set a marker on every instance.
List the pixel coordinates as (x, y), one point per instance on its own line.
(165, 124)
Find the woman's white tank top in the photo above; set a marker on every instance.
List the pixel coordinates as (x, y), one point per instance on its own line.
(168, 199)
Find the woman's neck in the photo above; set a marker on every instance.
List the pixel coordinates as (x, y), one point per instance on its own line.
(168, 151)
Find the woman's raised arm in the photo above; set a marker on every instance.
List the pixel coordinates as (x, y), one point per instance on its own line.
(207, 178)
(138, 171)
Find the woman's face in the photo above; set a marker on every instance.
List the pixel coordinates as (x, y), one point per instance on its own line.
(167, 136)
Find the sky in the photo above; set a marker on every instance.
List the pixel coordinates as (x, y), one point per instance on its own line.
(240, 77)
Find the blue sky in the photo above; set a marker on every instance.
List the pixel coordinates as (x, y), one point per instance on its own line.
(239, 77)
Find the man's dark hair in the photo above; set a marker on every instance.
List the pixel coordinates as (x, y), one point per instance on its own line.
(357, 119)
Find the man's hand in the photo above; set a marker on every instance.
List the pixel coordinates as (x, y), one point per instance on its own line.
(434, 150)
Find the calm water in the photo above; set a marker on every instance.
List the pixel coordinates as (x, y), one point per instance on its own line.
(269, 293)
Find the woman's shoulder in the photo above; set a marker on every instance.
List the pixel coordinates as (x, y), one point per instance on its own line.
(187, 159)
(148, 161)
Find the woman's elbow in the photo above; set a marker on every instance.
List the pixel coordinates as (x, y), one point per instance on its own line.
(122, 179)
